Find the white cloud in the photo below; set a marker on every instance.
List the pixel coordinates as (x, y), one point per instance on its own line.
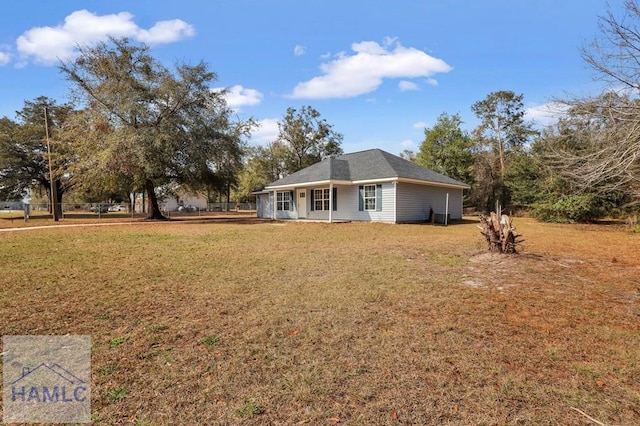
(166, 32)
(299, 50)
(46, 45)
(238, 96)
(409, 144)
(267, 132)
(390, 41)
(5, 58)
(420, 125)
(406, 86)
(545, 114)
(364, 71)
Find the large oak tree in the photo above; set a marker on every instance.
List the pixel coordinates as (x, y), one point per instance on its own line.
(145, 122)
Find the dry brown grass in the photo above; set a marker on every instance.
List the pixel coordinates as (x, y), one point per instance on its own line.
(312, 323)
(15, 219)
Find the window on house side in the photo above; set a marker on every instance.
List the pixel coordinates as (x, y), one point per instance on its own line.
(283, 201)
(321, 199)
(369, 197)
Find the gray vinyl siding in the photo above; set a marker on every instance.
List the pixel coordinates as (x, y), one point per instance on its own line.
(348, 201)
(264, 206)
(338, 214)
(286, 214)
(351, 199)
(402, 202)
(415, 201)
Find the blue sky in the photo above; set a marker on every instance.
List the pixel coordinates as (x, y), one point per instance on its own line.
(378, 71)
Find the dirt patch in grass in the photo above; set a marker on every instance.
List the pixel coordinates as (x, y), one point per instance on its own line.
(312, 323)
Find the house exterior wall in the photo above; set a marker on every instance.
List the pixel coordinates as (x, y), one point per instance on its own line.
(264, 206)
(172, 203)
(386, 214)
(285, 214)
(415, 201)
(401, 202)
(324, 214)
(348, 199)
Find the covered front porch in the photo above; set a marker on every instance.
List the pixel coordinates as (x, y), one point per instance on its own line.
(316, 201)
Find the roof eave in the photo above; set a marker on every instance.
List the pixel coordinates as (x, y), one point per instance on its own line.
(379, 180)
(366, 181)
(307, 184)
(434, 183)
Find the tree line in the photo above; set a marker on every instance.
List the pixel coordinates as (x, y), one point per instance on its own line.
(584, 166)
(135, 125)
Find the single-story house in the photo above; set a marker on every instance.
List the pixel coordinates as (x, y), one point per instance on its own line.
(190, 201)
(371, 185)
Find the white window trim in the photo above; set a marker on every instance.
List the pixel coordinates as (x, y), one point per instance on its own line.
(281, 201)
(325, 199)
(365, 198)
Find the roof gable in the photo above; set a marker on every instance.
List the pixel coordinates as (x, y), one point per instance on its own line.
(372, 164)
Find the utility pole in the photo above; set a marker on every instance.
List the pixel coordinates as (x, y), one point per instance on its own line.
(54, 188)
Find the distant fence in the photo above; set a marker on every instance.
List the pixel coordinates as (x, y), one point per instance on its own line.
(11, 205)
(68, 209)
(228, 207)
(191, 210)
(71, 210)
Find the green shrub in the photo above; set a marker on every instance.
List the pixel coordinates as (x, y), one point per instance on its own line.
(569, 209)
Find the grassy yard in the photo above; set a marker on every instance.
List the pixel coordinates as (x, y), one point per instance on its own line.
(312, 323)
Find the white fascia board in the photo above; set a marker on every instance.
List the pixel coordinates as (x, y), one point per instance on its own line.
(328, 182)
(431, 183)
(308, 184)
(371, 181)
(279, 188)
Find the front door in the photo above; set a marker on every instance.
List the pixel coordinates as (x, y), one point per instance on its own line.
(302, 203)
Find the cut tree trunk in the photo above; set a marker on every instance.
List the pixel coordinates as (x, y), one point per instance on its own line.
(499, 232)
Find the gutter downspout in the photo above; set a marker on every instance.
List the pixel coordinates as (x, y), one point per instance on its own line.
(330, 189)
(446, 211)
(330, 201)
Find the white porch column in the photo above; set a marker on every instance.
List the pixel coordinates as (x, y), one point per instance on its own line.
(275, 203)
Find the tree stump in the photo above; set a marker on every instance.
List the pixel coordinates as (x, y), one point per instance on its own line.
(499, 232)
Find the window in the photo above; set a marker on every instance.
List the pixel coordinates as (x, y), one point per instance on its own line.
(370, 197)
(321, 199)
(283, 200)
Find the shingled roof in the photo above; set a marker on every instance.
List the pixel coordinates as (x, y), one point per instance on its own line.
(367, 165)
